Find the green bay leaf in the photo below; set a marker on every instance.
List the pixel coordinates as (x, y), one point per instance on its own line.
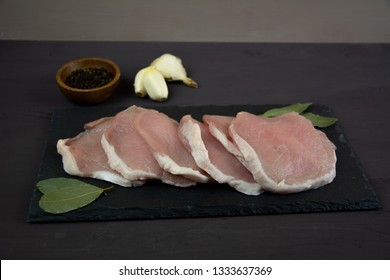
(53, 184)
(320, 121)
(61, 195)
(69, 198)
(296, 107)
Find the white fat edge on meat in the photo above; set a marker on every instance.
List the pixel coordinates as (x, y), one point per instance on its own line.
(229, 145)
(116, 163)
(222, 138)
(178, 183)
(68, 160)
(254, 165)
(169, 165)
(192, 133)
(246, 187)
(115, 178)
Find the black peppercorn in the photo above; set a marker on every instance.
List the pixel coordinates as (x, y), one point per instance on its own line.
(89, 78)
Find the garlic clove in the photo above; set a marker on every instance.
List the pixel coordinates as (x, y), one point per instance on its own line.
(154, 84)
(139, 88)
(172, 69)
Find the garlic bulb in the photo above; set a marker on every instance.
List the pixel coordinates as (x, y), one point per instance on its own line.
(172, 69)
(151, 80)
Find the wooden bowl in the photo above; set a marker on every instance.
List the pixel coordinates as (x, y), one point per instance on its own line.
(88, 96)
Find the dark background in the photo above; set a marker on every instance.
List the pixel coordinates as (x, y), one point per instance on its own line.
(351, 79)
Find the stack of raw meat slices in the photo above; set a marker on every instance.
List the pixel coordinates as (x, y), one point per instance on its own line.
(252, 154)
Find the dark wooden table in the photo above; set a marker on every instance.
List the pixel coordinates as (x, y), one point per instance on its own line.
(352, 79)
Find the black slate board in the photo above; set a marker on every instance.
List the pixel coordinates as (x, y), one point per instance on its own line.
(351, 190)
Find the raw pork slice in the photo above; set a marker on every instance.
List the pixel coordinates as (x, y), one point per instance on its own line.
(211, 156)
(161, 134)
(130, 155)
(285, 154)
(84, 156)
(219, 128)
